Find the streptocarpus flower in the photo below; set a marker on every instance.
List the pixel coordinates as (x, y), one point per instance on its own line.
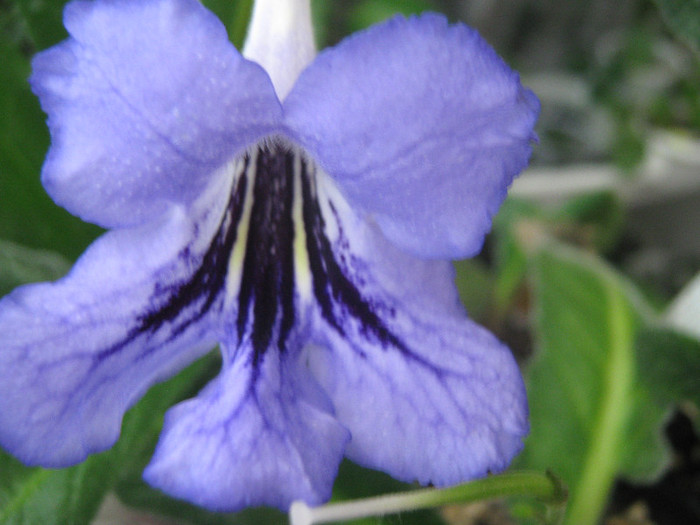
(301, 216)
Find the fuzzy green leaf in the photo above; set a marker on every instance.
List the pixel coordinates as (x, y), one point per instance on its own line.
(27, 214)
(68, 496)
(591, 418)
(43, 21)
(234, 15)
(669, 362)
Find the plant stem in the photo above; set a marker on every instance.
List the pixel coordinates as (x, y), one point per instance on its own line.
(543, 486)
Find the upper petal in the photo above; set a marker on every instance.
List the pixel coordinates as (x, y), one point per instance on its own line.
(145, 100)
(422, 125)
(75, 354)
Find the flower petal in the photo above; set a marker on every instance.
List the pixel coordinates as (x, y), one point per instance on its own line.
(145, 100)
(426, 393)
(422, 125)
(450, 409)
(75, 354)
(260, 434)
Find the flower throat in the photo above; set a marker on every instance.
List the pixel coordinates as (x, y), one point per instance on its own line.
(284, 180)
(270, 241)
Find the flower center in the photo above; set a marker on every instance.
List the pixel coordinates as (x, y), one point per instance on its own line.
(283, 253)
(269, 260)
(266, 273)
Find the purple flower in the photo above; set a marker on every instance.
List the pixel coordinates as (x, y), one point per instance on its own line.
(303, 218)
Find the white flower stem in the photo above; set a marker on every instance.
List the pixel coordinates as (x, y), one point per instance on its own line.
(280, 38)
(543, 486)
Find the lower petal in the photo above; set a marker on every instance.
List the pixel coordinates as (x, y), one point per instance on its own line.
(77, 353)
(260, 434)
(448, 407)
(426, 393)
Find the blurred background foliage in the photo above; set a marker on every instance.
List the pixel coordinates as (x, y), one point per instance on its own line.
(590, 273)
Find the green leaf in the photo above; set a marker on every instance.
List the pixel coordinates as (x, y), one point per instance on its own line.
(683, 17)
(43, 20)
(475, 285)
(67, 496)
(136, 493)
(592, 220)
(511, 256)
(669, 362)
(591, 419)
(596, 219)
(234, 15)
(27, 214)
(20, 265)
(368, 12)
